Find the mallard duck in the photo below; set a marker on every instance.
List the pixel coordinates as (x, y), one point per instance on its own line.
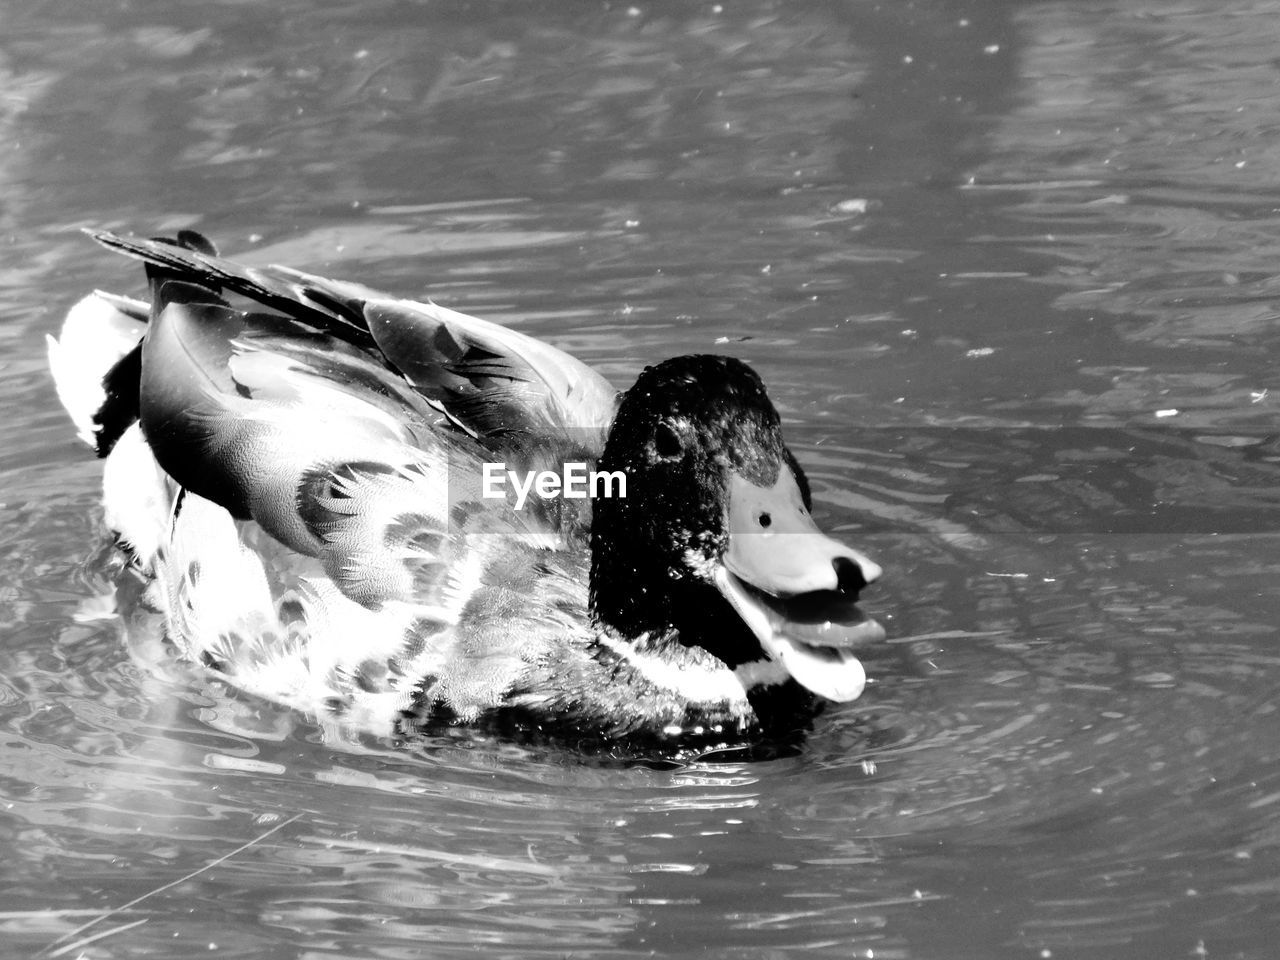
(322, 488)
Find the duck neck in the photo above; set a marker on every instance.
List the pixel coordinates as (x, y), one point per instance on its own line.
(636, 596)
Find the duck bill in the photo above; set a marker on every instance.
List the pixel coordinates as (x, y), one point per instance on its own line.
(797, 588)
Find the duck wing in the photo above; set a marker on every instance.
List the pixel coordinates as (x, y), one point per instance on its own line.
(496, 382)
(193, 258)
(330, 452)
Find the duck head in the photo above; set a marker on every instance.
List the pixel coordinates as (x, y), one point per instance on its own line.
(714, 544)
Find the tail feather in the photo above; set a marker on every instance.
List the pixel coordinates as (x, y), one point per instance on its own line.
(99, 332)
(120, 409)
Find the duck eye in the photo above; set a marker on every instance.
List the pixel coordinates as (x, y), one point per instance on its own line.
(765, 520)
(666, 442)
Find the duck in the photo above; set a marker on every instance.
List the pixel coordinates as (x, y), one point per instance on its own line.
(397, 517)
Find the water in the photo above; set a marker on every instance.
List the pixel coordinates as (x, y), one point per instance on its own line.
(1009, 270)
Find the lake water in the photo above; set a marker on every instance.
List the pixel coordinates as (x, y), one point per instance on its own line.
(1010, 271)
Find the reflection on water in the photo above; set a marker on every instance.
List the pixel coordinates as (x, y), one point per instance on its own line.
(1143, 167)
(1008, 270)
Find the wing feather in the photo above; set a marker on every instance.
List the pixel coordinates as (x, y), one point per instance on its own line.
(495, 381)
(498, 381)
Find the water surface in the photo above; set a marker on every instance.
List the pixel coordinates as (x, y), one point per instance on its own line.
(1009, 271)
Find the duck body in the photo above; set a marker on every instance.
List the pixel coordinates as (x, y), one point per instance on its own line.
(307, 480)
